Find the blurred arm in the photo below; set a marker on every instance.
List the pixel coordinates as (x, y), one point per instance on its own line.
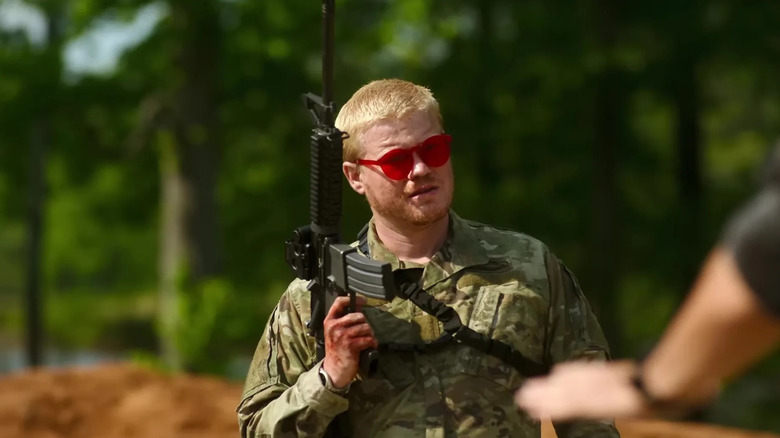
(732, 317)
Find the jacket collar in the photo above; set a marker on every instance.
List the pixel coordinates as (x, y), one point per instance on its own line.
(461, 250)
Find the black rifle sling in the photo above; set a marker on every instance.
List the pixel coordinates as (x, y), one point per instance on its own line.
(407, 281)
(363, 241)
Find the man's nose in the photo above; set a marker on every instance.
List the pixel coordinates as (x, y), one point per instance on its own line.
(419, 168)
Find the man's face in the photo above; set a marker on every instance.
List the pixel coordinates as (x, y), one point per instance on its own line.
(424, 195)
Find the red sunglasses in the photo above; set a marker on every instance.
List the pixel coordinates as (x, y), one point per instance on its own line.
(396, 164)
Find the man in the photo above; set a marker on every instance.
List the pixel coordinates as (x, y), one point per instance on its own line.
(730, 321)
(505, 286)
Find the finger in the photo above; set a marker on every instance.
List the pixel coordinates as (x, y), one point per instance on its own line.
(360, 344)
(348, 320)
(534, 392)
(534, 400)
(524, 396)
(344, 335)
(360, 330)
(338, 308)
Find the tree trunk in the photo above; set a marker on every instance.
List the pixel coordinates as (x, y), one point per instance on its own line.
(189, 243)
(40, 138)
(481, 98)
(195, 112)
(172, 256)
(689, 150)
(604, 257)
(40, 142)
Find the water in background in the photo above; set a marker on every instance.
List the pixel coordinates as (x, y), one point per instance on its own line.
(14, 358)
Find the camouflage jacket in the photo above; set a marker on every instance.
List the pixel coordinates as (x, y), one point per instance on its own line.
(504, 284)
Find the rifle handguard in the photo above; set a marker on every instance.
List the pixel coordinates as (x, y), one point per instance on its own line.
(325, 179)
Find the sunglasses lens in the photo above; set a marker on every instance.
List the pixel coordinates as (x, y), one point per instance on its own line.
(397, 163)
(435, 151)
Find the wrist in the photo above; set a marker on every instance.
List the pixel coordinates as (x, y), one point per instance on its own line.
(661, 399)
(329, 384)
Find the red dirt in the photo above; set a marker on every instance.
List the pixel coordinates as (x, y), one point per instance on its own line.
(124, 401)
(115, 401)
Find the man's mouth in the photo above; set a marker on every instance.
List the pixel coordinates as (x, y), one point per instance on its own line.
(423, 191)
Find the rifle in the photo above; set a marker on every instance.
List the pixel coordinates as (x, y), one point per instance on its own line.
(314, 252)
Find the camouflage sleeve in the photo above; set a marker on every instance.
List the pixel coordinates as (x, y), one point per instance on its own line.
(573, 334)
(283, 395)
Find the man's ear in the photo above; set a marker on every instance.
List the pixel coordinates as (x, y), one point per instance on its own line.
(352, 173)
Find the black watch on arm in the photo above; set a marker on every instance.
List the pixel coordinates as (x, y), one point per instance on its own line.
(666, 408)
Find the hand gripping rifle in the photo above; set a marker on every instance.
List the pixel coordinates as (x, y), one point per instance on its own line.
(314, 251)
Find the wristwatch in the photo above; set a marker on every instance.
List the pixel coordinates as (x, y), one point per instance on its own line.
(682, 410)
(328, 383)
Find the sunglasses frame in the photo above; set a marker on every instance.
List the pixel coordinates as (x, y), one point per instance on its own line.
(405, 157)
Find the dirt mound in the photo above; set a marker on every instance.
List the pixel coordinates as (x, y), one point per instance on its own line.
(124, 401)
(116, 401)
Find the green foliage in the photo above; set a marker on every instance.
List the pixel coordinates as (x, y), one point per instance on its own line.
(198, 313)
(86, 319)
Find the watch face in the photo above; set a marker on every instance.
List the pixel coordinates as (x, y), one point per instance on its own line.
(328, 384)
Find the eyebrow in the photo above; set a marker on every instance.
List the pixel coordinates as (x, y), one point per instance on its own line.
(416, 144)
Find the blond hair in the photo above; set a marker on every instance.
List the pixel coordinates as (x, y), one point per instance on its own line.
(381, 100)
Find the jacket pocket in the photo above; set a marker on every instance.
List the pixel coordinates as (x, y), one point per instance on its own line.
(514, 315)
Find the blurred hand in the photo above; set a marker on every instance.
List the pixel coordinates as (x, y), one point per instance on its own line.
(346, 335)
(583, 390)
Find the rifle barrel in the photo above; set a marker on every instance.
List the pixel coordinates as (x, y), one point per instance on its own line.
(328, 14)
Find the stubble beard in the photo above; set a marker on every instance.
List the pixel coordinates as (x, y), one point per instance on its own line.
(399, 210)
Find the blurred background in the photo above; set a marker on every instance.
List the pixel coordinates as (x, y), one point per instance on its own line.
(154, 158)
